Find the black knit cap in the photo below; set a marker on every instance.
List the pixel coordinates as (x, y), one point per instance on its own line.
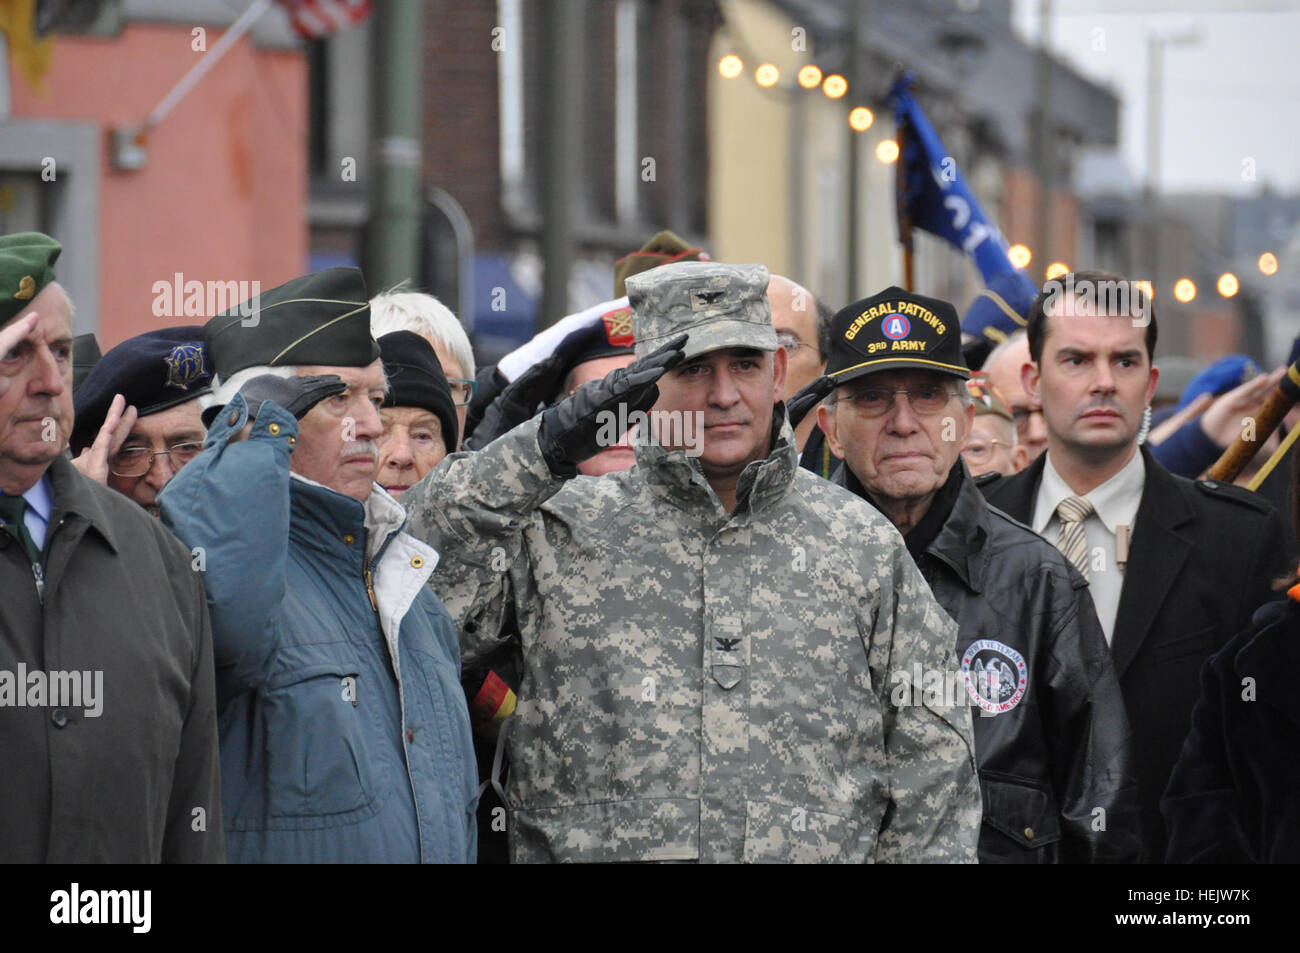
(415, 379)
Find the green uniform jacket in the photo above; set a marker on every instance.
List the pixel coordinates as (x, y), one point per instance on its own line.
(698, 685)
(139, 782)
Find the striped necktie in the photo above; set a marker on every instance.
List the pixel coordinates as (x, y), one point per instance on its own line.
(1073, 511)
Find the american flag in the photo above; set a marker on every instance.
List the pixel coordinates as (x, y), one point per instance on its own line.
(316, 18)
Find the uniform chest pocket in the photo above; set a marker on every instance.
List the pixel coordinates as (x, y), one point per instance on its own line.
(317, 747)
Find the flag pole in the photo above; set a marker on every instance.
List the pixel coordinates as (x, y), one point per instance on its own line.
(904, 219)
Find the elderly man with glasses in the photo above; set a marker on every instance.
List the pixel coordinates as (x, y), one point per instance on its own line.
(138, 415)
(1051, 735)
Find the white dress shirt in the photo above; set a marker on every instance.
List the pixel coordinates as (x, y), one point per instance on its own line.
(1116, 502)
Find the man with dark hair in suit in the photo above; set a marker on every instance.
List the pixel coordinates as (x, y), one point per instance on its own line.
(1176, 567)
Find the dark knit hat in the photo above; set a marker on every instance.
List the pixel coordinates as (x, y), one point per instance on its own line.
(415, 379)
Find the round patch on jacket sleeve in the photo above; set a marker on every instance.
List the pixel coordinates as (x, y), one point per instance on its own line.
(996, 675)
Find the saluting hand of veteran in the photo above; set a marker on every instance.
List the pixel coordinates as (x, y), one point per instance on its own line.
(10, 337)
(298, 395)
(93, 461)
(569, 430)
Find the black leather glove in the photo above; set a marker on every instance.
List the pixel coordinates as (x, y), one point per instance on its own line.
(569, 430)
(808, 398)
(295, 394)
(490, 385)
(519, 401)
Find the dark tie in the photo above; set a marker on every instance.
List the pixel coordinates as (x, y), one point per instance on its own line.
(12, 509)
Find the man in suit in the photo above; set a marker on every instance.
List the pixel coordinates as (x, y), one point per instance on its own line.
(1176, 567)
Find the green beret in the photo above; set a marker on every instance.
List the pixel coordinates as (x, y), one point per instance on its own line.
(322, 318)
(26, 266)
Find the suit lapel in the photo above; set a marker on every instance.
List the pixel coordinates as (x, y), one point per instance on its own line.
(1158, 552)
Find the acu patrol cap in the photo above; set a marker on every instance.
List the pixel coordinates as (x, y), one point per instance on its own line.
(321, 318)
(26, 267)
(717, 306)
(153, 371)
(895, 330)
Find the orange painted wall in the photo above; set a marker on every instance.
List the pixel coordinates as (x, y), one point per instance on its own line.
(223, 196)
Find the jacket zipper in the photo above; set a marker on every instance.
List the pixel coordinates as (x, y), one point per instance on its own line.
(39, 575)
(369, 578)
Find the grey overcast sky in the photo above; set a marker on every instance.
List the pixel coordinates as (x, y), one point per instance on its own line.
(1232, 95)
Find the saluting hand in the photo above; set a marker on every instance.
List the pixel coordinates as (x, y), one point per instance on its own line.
(569, 431)
(93, 461)
(10, 337)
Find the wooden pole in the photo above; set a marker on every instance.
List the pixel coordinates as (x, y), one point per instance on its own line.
(1267, 419)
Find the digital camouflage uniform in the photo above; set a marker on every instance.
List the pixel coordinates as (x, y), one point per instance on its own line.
(698, 685)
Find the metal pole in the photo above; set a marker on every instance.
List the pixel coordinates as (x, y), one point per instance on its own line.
(857, 92)
(1043, 142)
(395, 244)
(1155, 78)
(561, 155)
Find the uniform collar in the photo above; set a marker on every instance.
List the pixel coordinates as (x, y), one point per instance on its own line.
(762, 483)
(1116, 501)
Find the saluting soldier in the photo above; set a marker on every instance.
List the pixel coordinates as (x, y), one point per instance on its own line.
(708, 638)
(344, 732)
(139, 415)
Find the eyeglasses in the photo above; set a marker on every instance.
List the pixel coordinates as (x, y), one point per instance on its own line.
(980, 452)
(876, 402)
(137, 461)
(789, 342)
(1022, 415)
(462, 390)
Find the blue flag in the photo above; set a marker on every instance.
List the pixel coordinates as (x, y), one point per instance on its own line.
(931, 195)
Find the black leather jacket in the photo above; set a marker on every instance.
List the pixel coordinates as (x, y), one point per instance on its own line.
(1052, 738)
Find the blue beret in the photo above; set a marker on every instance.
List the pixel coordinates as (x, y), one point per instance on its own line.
(1001, 308)
(153, 371)
(1220, 377)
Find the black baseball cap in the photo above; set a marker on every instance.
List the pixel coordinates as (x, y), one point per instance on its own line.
(895, 330)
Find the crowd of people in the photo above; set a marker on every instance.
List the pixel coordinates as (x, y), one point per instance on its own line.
(709, 571)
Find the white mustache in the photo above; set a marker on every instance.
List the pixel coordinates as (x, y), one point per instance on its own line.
(358, 449)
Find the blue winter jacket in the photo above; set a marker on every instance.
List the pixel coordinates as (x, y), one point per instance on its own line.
(344, 731)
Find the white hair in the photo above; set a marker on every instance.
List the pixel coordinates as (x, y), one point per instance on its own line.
(426, 316)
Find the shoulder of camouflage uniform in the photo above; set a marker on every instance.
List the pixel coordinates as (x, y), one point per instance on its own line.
(1235, 495)
(831, 501)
